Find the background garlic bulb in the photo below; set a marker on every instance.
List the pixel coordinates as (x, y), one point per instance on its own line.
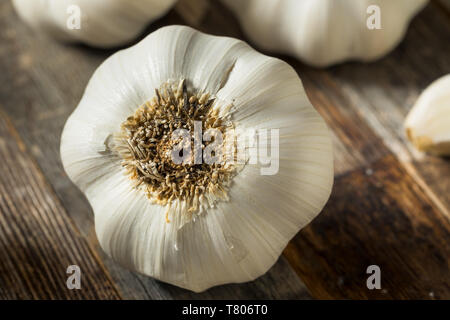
(428, 123)
(324, 32)
(104, 23)
(234, 230)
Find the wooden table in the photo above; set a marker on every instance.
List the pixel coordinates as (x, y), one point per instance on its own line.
(389, 207)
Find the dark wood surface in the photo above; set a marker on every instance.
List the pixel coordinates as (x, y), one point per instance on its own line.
(389, 207)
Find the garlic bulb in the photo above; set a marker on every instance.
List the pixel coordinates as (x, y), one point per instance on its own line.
(99, 23)
(428, 123)
(197, 225)
(325, 32)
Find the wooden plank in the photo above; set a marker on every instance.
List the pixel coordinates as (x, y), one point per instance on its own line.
(41, 84)
(192, 11)
(445, 4)
(37, 240)
(383, 92)
(280, 282)
(365, 105)
(383, 218)
(354, 145)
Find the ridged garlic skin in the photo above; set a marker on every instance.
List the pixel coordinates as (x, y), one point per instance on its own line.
(325, 32)
(104, 23)
(239, 239)
(428, 123)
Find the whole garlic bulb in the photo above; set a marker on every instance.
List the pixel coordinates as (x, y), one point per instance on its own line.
(428, 123)
(325, 32)
(196, 226)
(103, 23)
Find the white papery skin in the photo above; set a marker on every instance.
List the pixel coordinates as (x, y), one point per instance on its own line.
(239, 239)
(104, 23)
(325, 32)
(428, 123)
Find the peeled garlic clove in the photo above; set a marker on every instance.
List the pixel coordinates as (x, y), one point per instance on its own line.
(428, 123)
(103, 23)
(196, 226)
(325, 32)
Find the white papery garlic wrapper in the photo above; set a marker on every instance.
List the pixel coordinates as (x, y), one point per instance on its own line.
(235, 240)
(428, 123)
(104, 23)
(325, 32)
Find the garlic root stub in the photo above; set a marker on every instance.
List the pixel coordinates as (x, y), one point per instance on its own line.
(197, 225)
(428, 123)
(325, 32)
(99, 23)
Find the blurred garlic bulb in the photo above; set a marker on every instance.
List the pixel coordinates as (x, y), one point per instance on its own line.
(196, 226)
(102, 23)
(428, 123)
(325, 32)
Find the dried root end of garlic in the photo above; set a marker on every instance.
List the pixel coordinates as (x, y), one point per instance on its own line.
(145, 143)
(426, 144)
(428, 123)
(115, 148)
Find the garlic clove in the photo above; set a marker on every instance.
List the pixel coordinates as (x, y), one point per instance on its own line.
(428, 123)
(103, 23)
(231, 240)
(324, 32)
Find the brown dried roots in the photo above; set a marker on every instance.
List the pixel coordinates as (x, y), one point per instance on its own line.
(145, 144)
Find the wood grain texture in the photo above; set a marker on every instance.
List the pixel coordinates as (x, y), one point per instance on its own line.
(40, 86)
(444, 3)
(389, 205)
(379, 218)
(382, 93)
(355, 146)
(388, 211)
(37, 240)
